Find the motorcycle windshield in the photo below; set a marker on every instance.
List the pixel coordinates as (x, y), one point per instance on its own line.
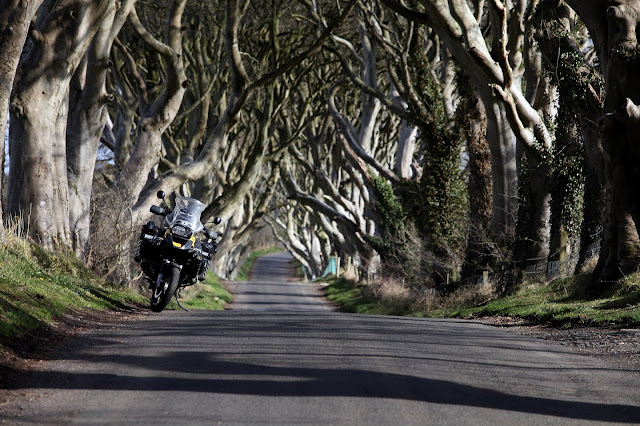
(187, 213)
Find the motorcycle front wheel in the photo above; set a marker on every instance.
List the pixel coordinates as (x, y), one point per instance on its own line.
(165, 287)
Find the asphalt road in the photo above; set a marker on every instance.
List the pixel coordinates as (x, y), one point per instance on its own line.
(271, 290)
(318, 367)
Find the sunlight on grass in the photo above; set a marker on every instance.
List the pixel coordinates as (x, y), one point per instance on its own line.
(354, 298)
(566, 302)
(209, 294)
(36, 286)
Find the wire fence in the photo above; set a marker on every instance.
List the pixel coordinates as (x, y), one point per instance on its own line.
(544, 269)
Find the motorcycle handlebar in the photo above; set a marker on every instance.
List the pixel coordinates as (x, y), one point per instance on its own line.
(159, 211)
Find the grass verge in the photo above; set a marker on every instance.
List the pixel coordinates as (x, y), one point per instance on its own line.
(244, 273)
(38, 287)
(565, 302)
(357, 298)
(210, 294)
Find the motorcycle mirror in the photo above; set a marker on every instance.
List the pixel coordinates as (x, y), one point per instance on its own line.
(161, 195)
(217, 221)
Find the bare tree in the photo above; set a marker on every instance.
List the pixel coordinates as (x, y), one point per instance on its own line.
(612, 26)
(38, 186)
(88, 115)
(510, 115)
(156, 114)
(14, 28)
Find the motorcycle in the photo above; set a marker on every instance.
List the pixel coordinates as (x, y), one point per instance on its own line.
(174, 255)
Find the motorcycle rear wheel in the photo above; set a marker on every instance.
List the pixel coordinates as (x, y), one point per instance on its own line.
(165, 287)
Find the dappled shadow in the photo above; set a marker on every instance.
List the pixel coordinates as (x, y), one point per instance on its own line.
(273, 293)
(328, 355)
(253, 379)
(629, 300)
(107, 297)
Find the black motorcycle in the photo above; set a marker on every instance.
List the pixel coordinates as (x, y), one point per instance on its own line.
(174, 256)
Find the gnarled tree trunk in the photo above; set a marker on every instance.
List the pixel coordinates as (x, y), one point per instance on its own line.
(38, 188)
(613, 26)
(87, 119)
(14, 27)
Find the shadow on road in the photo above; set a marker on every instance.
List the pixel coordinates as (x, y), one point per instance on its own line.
(279, 368)
(333, 383)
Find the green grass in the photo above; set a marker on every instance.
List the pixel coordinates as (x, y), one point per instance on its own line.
(38, 286)
(210, 294)
(564, 302)
(244, 273)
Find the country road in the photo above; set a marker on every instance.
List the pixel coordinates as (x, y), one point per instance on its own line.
(270, 289)
(284, 357)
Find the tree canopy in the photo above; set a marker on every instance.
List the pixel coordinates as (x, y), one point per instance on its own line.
(424, 139)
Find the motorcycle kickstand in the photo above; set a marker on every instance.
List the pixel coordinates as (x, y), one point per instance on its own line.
(178, 301)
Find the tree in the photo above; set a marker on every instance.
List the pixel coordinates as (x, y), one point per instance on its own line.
(496, 69)
(88, 116)
(38, 185)
(612, 26)
(234, 138)
(14, 28)
(159, 113)
(578, 168)
(478, 250)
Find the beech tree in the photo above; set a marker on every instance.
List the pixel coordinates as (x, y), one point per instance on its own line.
(612, 26)
(578, 168)
(38, 185)
(88, 100)
(241, 90)
(302, 116)
(380, 134)
(156, 114)
(235, 148)
(511, 115)
(14, 28)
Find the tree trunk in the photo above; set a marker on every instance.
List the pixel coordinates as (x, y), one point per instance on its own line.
(478, 250)
(613, 27)
(159, 115)
(14, 27)
(502, 145)
(539, 226)
(38, 189)
(87, 119)
(406, 141)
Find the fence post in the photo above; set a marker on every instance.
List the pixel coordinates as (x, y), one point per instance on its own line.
(564, 239)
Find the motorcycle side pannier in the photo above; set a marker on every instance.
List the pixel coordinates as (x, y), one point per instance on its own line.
(145, 242)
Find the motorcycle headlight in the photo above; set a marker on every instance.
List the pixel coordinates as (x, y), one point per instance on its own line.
(181, 231)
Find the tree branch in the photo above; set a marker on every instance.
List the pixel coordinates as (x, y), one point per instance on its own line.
(351, 144)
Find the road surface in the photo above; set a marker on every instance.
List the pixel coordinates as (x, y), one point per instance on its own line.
(317, 367)
(272, 288)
